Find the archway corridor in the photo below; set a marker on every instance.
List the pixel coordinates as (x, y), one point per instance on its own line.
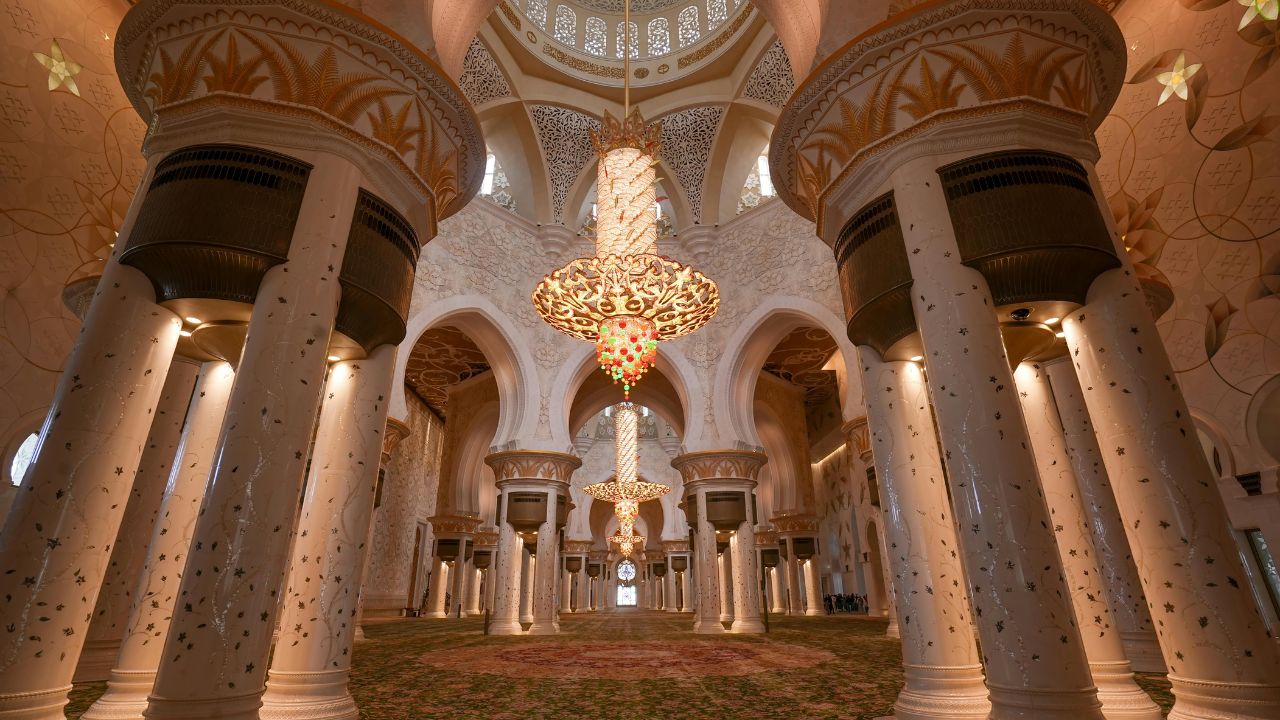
(628, 663)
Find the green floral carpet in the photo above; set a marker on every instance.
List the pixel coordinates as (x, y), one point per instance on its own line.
(629, 665)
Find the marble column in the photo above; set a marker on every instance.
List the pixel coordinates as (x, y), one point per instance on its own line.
(727, 471)
(724, 575)
(686, 596)
(671, 601)
(584, 589)
(507, 590)
(776, 589)
(707, 618)
(57, 540)
(1222, 661)
(1120, 695)
(437, 589)
(396, 431)
(475, 580)
(458, 575)
(527, 569)
(215, 659)
(545, 571)
(1035, 659)
(940, 659)
(566, 591)
(795, 599)
(140, 652)
(124, 572)
(1115, 560)
(312, 658)
(812, 588)
(746, 575)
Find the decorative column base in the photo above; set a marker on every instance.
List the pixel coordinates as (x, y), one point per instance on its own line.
(42, 705)
(1120, 696)
(1016, 703)
(98, 656)
(126, 696)
(747, 626)
(506, 628)
(942, 693)
(1200, 700)
(308, 696)
(239, 707)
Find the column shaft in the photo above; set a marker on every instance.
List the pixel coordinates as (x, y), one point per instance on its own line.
(527, 571)
(939, 657)
(1128, 604)
(143, 645)
(795, 600)
(566, 591)
(507, 588)
(1120, 696)
(813, 587)
(724, 575)
(436, 590)
(1221, 660)
(1034, 657)
(475, 578)
(312, 657)
(57, 540)
(707, 618)
(215, 659)
(746, 581)
(124, 571)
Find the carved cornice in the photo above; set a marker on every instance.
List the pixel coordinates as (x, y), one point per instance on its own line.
(485, 538)
(312, 61)
(740, 465)
(675, 546)
(766, 538)
(454, 525)
(542, 465)
(577, 547)
(396, 431)
(858, 434)
(941, 59)
(797, 524)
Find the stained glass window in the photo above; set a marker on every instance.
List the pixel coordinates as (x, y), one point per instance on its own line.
(659, 37)
(626, 571)
(717, 12)
(619, 40)
(537, 12)
(22, 459)
(690, 28)
(566, 25)
(597, 40)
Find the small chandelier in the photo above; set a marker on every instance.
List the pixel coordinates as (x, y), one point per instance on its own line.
(626, 491)
(628, 297)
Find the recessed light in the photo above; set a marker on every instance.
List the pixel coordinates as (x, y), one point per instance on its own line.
(193, 320)
(184, 333)
(1053, 321)
(917, 358)
(334, 358)
(1059, 334)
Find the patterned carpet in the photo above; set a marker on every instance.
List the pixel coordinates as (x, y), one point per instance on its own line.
(826, 667)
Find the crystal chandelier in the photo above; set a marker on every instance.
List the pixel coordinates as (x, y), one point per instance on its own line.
(627, 297)
(626, 490)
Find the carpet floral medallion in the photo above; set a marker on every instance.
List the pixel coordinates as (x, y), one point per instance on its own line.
(626, 665)
(655, 659)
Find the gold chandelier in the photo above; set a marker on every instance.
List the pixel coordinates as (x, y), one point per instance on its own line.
(628, 297)
(626, 491)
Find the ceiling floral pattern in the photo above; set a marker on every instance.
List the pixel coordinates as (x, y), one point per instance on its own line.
(1194, 186)
(441, 358)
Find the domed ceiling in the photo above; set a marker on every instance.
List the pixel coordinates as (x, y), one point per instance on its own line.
(541, 73)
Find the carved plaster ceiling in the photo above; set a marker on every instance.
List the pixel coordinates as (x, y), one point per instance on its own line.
(771, 81)
(442, 357)
(799, 358)
(482, 79)
(687, 137)
(566, 145)
(637, 6)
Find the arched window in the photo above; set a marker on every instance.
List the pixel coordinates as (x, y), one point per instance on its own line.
(717, 12)
(619, 40)
(690, 28)
(22, 459)
(766, 181)
(659, 37)
(566, 25)
(486, 187)
(536, 10)
(597, 40)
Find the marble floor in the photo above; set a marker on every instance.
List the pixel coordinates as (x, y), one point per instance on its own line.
(627, 664)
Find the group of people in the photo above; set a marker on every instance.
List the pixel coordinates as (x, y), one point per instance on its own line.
(849, 603)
